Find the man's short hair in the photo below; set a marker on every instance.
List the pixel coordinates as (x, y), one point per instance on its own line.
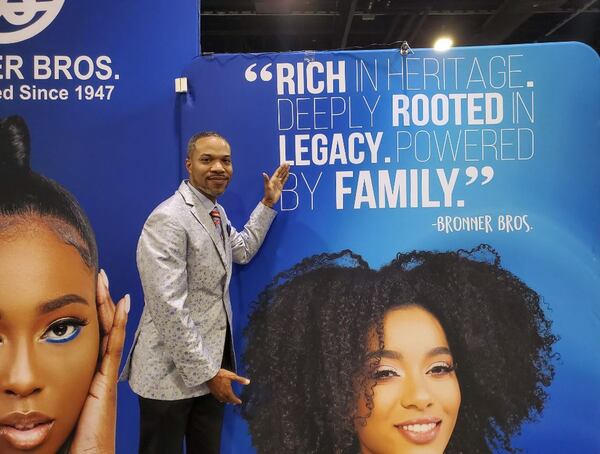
(200, 135)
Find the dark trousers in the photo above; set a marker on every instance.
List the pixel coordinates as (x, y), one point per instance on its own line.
(165, 423)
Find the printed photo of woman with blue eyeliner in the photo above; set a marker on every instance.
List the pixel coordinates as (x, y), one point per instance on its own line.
(61, 335)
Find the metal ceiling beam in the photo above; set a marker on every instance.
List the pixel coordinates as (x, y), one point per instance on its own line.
(415, 31)
(346, 14)
(394, 34)
(406, 11)
(510, 16)
(571, 17)
(290, 31)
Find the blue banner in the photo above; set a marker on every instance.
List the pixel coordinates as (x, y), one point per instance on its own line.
(95, 83)
(427, 151)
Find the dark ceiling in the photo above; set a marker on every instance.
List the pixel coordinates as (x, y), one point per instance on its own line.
(283, 25)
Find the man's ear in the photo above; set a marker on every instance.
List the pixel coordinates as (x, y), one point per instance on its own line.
(188, 163)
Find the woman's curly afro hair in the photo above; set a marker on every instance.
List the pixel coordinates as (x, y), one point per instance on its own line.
(309, 331)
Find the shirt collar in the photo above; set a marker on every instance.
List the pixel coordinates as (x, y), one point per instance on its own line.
(205, 202)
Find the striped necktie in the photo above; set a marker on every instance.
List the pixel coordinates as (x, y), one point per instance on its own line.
(216, 217)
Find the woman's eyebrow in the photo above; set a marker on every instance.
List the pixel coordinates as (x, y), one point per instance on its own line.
(390, 354)
(61, 301)
(439, 351)
(393, 354)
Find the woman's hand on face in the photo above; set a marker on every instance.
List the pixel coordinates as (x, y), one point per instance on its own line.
(95, 431)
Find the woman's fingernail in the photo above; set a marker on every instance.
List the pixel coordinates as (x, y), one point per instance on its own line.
(105, 277)
(127, 303)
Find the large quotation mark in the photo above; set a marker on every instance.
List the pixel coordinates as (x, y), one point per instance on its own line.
(265, 74)
(472, 172)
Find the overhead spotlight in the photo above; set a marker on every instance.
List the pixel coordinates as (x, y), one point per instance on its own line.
(443, 43)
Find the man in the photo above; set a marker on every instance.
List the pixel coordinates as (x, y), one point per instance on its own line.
(182, 362)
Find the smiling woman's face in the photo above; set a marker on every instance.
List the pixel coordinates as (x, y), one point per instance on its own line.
(416, 396)
(49, 339)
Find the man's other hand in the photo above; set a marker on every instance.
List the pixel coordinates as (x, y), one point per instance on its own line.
(220, 386)
(274, 184)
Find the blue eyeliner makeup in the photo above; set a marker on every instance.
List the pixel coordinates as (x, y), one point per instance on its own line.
(63, 330)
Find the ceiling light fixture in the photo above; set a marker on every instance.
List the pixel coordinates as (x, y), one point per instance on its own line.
(443, 43)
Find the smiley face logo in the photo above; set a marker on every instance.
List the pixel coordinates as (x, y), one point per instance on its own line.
(23, 19)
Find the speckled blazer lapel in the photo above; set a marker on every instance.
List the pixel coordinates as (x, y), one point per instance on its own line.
(205, 221)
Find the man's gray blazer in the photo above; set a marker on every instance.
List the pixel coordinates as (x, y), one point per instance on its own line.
(185, 270)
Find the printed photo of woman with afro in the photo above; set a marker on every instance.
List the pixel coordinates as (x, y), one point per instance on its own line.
(436, 352)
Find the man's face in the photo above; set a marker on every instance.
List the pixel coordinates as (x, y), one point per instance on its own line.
(209, 166)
